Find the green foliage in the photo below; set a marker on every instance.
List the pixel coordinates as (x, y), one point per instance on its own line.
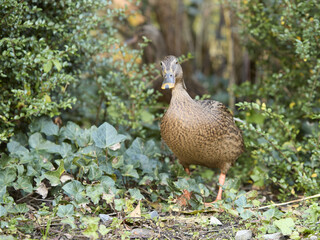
(116, 87)
(40, 45)
(65, 158)
(88, 169)
(47, 47)
(282, 120)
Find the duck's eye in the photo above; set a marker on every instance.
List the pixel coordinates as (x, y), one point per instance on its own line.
(176, 62)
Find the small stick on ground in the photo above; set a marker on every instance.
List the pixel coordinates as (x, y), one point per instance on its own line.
(293, 201)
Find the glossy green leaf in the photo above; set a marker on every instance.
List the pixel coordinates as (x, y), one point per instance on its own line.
(94, 172)
(76, 134)
(129, 171)
(286, 225)
(48, 127)
(15, 148)
(65, 210)
(136, 194)
(3, 190)
(47, 66)
(119, 204)
(241, 201)
(7, 176)
(3, 211)
(74, 187)
(65, 150)
(54, 176)
(57, 64)
(18, 208)
(95, 192)
(23, 183)
(106, 136)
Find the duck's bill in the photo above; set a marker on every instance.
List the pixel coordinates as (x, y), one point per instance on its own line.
(168, 81)
(167, 85)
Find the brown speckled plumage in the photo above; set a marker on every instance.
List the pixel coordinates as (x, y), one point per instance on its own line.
(199, 132)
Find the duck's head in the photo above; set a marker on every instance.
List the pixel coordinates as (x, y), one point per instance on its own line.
(171, 72)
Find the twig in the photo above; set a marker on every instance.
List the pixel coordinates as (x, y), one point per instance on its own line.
(293, 201)
(239, 120)
(26, 196)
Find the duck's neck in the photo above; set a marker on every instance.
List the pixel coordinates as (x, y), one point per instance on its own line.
(179, 93)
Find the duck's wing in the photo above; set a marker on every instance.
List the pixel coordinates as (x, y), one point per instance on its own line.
(216, 107)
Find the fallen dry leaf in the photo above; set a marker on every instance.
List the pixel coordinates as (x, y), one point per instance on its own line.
(66, 177)
(42, 190)
(136, 212)
(184, 198)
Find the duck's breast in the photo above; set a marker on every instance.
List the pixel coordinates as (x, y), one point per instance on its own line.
(196, 136)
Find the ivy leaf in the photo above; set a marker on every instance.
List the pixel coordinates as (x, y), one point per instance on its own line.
(246, 214)
(107, 182)
(146, 180)
(19, 208)
(233, 212)
(164, 178)
(136, 194)
(285, 225)
(106, 136)
(65, 210)
(72, 188)
(15, 148)
(54, 176)
(70, 221)
(75, 189)
(74, 133)
(35, 140)
(117, 162)
(3, 190)
(103, 230)
(65, 150)
(95, 192)
(3, 211)
(92, 227)
(129, 171)
(23, 183)
(5, 160)
(272, 212)
(47, 66)
(48, 127)
(241, 201)
(95, 172)
(181, 184)
(57, 64)
(119, 204)
(139, 147)
(7, 176)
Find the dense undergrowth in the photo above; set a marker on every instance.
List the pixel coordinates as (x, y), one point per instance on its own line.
(106, 157)
(281, 107)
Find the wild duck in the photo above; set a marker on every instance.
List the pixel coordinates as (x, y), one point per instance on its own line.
(198, 132)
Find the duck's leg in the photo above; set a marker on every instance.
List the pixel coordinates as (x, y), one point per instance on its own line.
(222, 179)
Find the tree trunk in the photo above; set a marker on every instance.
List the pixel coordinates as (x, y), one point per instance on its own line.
(175, 29)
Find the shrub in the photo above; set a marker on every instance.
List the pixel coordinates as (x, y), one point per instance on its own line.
(282, 118)
(42, 54)
(47, 47)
